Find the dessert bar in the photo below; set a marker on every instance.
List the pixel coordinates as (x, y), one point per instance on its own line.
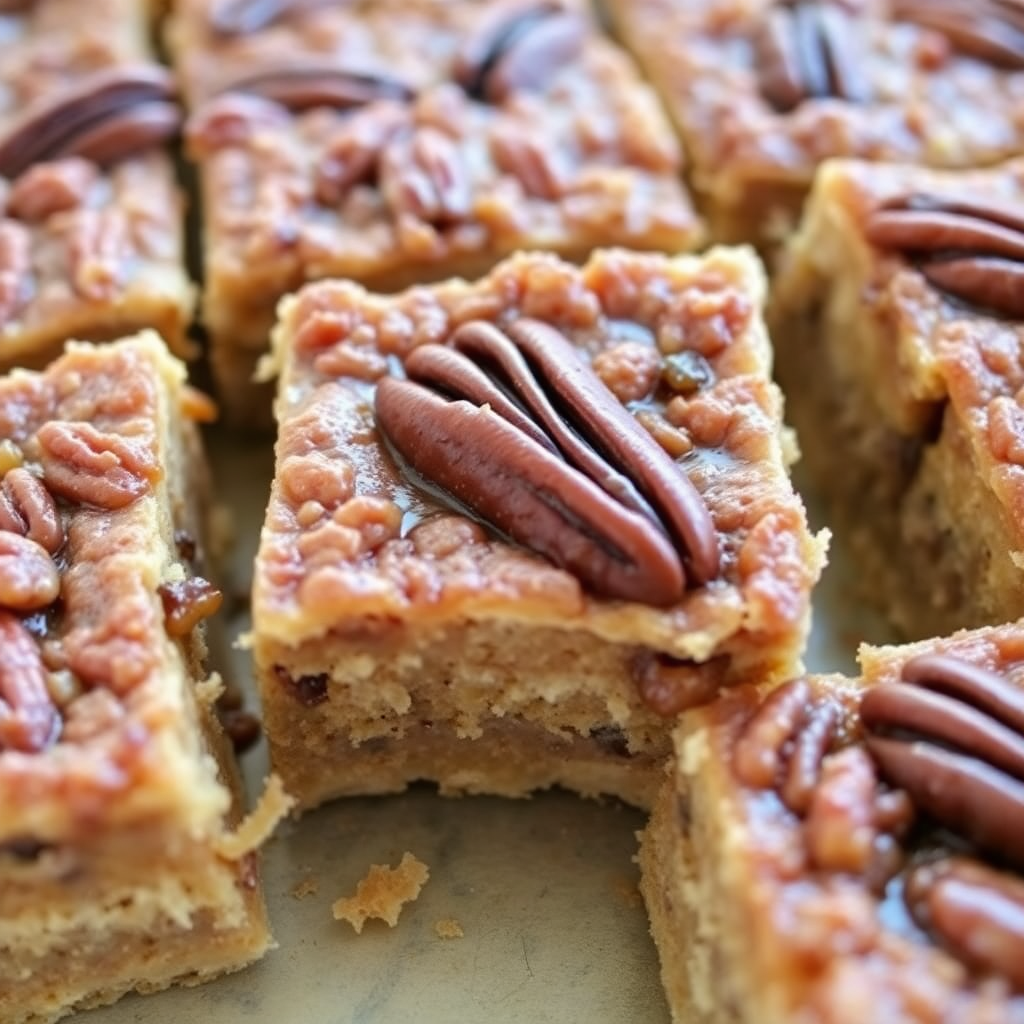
(763, 91)
(845, 850)
(897, 319)
(90, 216)
(119, 869)
(400, 141)
(518, 524)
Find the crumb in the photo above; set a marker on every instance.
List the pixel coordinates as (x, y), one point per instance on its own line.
(259, 823)
(448, 928)
(309, 886)
(626, 891)
(383, 892)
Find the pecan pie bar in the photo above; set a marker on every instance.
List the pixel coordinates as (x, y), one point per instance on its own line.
(90, 216)
(400, 141)
(117, 867)
(517, 525)
(839, 851)
(763, 91)
(900, 299)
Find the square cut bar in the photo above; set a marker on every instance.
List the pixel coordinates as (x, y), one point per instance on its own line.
(763, 91)
(118, 867)
(899, 329)
(90, 215)
(395, 143)
(397, 639)
(848, 850)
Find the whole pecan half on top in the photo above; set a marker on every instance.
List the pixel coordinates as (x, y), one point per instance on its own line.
(971, 248)
(516, 45)
(952, 736)
(519, 429)
(808, 51)
(102, 118)
(992, 30)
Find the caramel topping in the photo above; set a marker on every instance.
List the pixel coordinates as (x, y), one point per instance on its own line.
(304, 86)
(104, 117)
(809, 51)
(970, 248)
(518, 45)
(518, 429)
(992, 30)
(241, 17)
(187, 602)
(953, 740)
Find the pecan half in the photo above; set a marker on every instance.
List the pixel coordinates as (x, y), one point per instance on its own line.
(27, 507)
(91, 467)
(28, 718)
(28, 578)
(304, 86)
(517, 45)
(423, 174)
(519, 429)
(992, 30)
(187, 602)
(975, 911)
(971, 248)
(954, 740)
(809, 51)
(128, 107)
(241, 17)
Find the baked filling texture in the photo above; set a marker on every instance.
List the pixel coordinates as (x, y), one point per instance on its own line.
(396, 143)
(838, 850)
(763, 91)
(90, 214)
(119, 867)
(550, 506)
(897, 323)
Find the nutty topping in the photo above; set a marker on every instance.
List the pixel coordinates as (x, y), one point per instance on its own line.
(423, 174)
(28, 578)
(809, 51)
(101, 118)
(670, 685)
(27, 508)
(955, 742)
(520, 430)
(975, 911)
(992, 30)
(518, 45)
(242, 17)
(187, 602)
(28, 719)
(89, 466)
(307, 85)
(970, 248)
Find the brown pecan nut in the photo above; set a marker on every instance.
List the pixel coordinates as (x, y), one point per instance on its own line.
(230, 120)
(27, 508)
(539, 167)
(807, 51)
(311, 84)
(16, 274)
(88, 466)
(187, 602)
(991, 30)
(28, 578)
(841, 813)
(29, 721)
(423, 175)
(51, 188)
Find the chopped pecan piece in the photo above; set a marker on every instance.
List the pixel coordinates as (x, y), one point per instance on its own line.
(91, 467)
(50, 188)
(975, 911)
(562, 467)
(28, 719)
(423, 175)
(809, 51)
(128, 107)
(518, 45)
(841, 814)
(970, 248)
(952, 736)
(27, 507)
(28, 578)
(242, 17)
(992, 30)
(187, 602)
(16, 274)
(539, 169)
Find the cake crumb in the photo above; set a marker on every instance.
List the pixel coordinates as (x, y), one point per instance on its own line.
(448, 928)
(383, 893)
(626, 891)
(308, 886)
(259, 823)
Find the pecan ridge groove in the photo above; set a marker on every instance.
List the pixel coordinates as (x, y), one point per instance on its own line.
(991, 30)
(518, 429)
(972, 249)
